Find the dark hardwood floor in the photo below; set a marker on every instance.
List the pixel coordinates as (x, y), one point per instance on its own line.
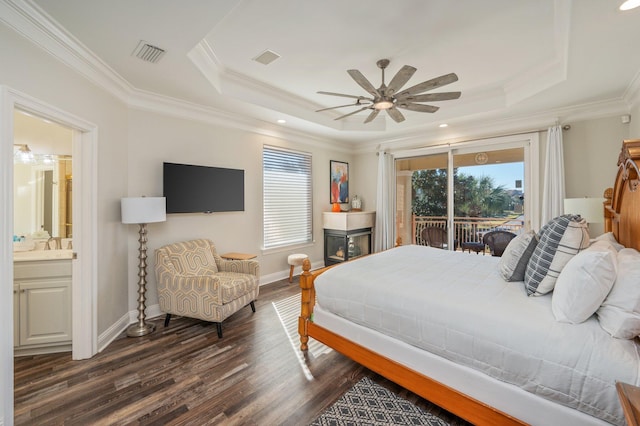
(185, 375)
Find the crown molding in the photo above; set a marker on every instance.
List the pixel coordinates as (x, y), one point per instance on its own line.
(632, 93)
(483, 125)
(29, 20)
(549, 73)
(152, 102)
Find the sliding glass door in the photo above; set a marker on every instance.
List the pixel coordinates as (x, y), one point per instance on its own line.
(488, 194)
(467, 191)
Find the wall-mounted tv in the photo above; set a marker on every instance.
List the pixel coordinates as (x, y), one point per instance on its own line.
(202, 189)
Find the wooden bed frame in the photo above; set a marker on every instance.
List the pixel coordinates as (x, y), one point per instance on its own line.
(622, 217)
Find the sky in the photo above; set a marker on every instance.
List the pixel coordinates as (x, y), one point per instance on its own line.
(502, 174)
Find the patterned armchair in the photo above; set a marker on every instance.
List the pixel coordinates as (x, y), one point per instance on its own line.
(195, 282)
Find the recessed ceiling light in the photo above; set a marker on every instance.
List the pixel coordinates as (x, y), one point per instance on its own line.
(630, 4)
(444, 125)
(281, 121)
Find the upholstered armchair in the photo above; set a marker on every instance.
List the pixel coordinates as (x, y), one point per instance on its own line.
(195, 282)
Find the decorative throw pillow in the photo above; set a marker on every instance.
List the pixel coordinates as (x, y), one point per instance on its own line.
(608, 236)
(584, 283)
(560, 240)
(515, 258)
(619, 314)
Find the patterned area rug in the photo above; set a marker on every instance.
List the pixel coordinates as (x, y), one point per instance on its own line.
(368, 403)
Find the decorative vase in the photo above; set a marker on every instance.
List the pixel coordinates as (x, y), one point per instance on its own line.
(336, 207)
(356, 203)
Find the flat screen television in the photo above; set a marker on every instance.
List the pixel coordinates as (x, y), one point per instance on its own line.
(202, 189)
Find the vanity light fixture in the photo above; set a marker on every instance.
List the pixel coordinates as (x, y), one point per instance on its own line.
(23, 154)
(142, 210)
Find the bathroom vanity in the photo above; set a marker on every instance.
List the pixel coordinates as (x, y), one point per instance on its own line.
(42, 302)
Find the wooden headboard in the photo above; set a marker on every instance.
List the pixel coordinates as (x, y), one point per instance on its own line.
(622, 202)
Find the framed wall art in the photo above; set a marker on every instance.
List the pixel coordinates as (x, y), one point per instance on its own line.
(339, 185)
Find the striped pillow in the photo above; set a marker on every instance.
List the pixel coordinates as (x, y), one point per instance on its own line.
(515, 258)
(560, 240)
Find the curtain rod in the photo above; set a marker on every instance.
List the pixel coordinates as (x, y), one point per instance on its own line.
(524, 132)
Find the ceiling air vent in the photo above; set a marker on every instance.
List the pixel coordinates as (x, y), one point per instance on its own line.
(266, 57)
(148, 52)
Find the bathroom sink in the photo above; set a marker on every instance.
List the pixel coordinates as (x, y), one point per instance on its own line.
(23, 256)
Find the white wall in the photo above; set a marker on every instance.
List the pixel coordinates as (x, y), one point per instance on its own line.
(157, 138)
(591, 151)
(28, 69)
(634, 125)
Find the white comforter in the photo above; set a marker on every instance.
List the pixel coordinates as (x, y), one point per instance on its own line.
(457, 306)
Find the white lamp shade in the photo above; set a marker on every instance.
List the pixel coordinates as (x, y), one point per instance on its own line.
(144, 209)
(591, 209)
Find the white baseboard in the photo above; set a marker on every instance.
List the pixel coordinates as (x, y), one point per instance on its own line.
(281, 275)
(153, 311)
(112, 332)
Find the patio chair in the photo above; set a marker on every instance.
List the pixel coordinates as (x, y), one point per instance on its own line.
(435, 236)
(497, 241)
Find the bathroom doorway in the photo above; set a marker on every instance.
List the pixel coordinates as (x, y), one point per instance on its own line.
(42, 235)
(84, 219)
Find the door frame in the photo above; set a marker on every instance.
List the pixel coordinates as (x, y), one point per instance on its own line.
(84, 267)
(531, 144)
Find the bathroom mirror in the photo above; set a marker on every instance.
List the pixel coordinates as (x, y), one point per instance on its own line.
(42, 177)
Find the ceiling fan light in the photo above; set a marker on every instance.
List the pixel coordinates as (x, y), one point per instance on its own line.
(383, 104)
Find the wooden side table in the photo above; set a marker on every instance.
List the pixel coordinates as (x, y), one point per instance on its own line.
(238, 256)
(629, 396)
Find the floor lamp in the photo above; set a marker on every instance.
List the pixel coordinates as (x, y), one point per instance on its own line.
(142, 210)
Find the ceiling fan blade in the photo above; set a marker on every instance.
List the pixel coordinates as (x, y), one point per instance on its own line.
(395, 114)
(351, 113)
(345, 96)
(339, 106)
(363, 82)
(430, 97)
(399, 80)
(434, 83)
(371, 116)
(418, 107)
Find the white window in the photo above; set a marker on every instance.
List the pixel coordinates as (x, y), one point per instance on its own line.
(287, 209)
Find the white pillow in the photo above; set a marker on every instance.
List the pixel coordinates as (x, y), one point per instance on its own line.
(584, 283)
(608, 236)
(516, 256)
(619, 314)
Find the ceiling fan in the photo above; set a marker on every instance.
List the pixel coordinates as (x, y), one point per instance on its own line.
(388, 98)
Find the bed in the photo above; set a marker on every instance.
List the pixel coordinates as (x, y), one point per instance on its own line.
(473, 343)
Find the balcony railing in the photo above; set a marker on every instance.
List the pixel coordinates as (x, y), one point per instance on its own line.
(466, 229)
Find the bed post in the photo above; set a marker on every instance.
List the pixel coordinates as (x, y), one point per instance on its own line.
(308, 298)
(608, 215)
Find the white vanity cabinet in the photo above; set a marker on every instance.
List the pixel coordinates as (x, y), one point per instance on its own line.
(42, 306)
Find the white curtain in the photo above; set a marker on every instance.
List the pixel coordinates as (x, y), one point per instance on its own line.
(553, 190)
(385, 202)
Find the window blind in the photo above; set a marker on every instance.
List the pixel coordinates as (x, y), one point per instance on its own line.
(287, 209)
